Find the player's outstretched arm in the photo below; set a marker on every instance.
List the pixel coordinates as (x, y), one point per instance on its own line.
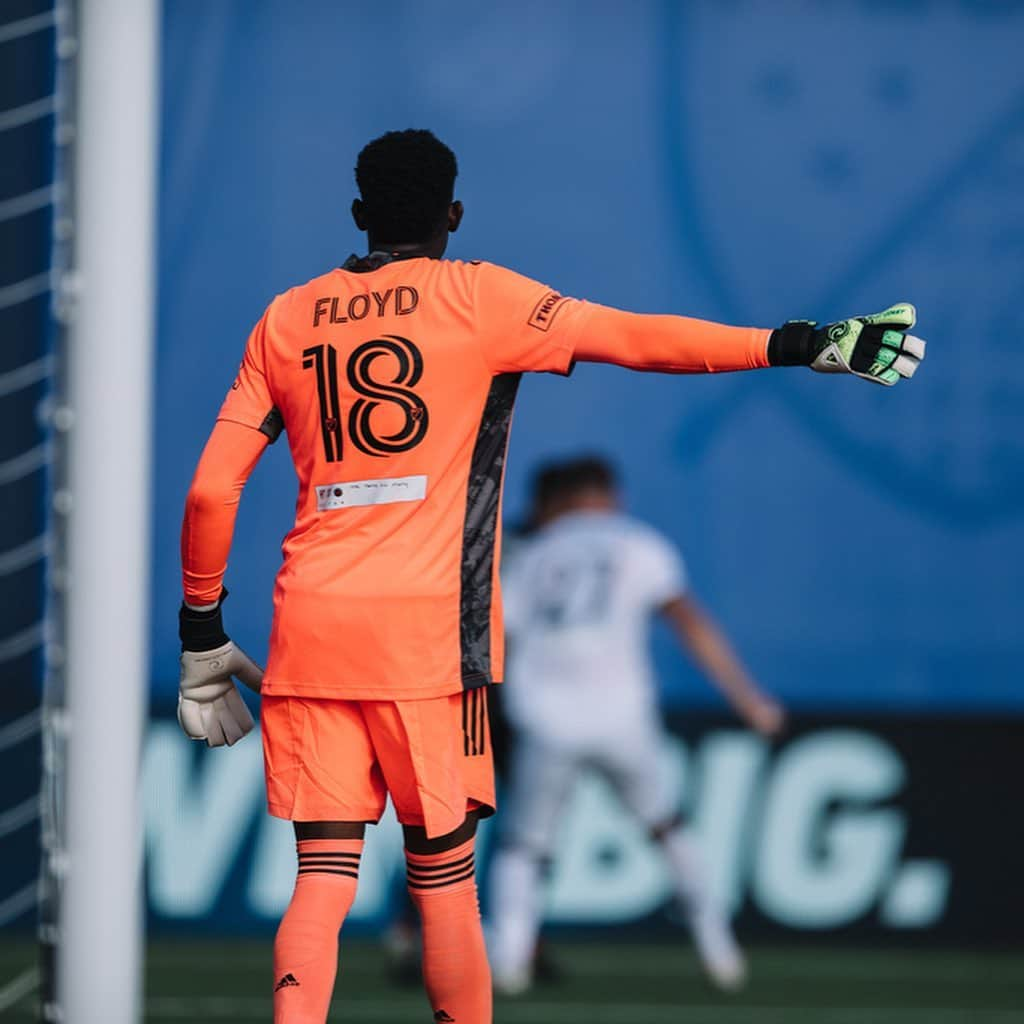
(709, 648)
(878, 347)
(209, 705)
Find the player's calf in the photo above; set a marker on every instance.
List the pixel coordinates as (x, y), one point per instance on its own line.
(441, 875)
(306, 946)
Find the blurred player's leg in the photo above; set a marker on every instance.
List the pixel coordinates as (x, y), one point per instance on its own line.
(442, 884)
(709, 925)
(515, 902)
(633, 769)
(540, 781)
(306, 947)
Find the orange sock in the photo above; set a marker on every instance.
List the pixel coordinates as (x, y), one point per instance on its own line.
(306, 947)
(455, 970)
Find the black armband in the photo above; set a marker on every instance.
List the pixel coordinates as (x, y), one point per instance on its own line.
(202, 630)
(793, 344)
(272, 425)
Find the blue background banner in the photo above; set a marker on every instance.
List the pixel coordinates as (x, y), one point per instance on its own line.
(862, 546)
(850, 827)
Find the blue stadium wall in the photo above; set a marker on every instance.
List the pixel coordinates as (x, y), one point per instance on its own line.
(748, 162)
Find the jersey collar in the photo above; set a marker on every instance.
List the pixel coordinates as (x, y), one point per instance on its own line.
(377, 258)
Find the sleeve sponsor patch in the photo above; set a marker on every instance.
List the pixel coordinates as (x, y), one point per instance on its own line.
(544, 312)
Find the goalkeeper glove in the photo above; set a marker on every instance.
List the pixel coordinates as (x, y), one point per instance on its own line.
(209, 705)
(876, 347)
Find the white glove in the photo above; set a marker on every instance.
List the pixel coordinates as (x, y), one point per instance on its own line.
(209, 705)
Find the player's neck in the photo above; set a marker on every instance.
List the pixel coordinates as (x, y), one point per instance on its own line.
(432, 249)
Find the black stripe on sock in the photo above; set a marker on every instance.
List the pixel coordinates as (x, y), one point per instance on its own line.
(442, 876)
(443, 869)
(328, 871)
(440, 885)
(427, 869)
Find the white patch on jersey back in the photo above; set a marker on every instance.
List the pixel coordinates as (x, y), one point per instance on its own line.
(352, 493)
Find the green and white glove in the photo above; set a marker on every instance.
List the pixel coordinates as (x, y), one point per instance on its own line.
(876, 347)
(209, 705)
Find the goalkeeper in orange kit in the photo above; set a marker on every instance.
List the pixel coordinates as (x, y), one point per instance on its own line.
(393, 378)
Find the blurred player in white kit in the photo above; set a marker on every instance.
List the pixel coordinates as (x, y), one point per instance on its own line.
(579, 597)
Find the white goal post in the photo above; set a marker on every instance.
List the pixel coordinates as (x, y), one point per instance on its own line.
(109, 375)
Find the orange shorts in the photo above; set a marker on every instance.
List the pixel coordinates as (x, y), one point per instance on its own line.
(337, 760)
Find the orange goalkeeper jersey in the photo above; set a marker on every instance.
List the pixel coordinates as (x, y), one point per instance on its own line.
(395, 384)
(395, 389)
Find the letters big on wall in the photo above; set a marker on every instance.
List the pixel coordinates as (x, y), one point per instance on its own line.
(839, 829)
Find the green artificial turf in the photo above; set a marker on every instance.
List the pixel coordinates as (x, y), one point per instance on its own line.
(621, 983)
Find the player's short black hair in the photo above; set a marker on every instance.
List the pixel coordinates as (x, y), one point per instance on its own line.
(546, 485)
(557, 481)
(588, 473)
(407, 182)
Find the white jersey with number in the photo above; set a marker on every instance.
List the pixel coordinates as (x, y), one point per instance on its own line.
(578, 599)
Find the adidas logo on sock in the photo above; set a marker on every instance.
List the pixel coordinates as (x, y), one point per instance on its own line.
(443, 1017)
(290, 979)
